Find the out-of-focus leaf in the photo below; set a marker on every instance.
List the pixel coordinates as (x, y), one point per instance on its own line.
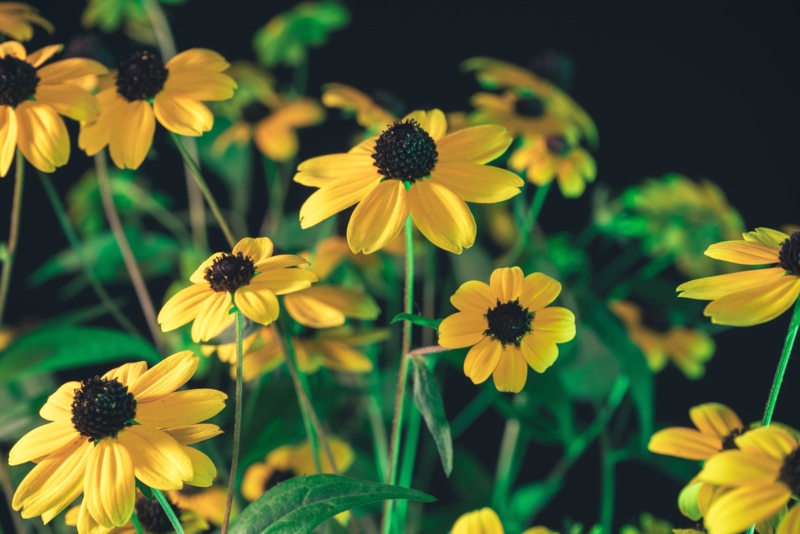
(67, 347)
(301, 503)
(591, 373)
(417, 320)
(528, 500)
(234, 165)
(430, 405)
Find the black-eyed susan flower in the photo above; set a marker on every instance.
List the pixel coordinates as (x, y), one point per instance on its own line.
(208, 503)
(17, 20)
(762, 476)
(545, 158)
(262, 115)
(411, 168)
(523, 113)
(717, 426)
(249, 278)
(369, 114)
(660, 341)
(756, 296)
(147, 90)
(108, 432)
(483, 521)
(289, 461)
(509, 325)
(33, 96)
(337, 349)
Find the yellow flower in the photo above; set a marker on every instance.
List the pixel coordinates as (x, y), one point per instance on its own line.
(16, 19)
(650, 330)
(147, 90)
(261, 115)
(509, 325)
(544, 158)
(717, 427)
(369, 115)
(483, 521)
(290, 461)
(142, 433)
(751, 297)
(523, 113)
(336, 349)
(208, 503)
(412, 167)
(762, 475)
(31, 100)
(249, 278)
(539, 530)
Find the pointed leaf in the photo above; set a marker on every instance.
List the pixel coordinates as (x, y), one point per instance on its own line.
(430, 405)
(417, 320)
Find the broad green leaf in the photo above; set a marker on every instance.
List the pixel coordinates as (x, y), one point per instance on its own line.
(301, 503)
(417, 320)
(430, 405)
(529, 500)
(68, 347)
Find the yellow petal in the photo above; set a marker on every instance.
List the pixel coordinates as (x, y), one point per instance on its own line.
(42, 136)
(8, 138)
(127, 373)
(791, 522)
(479, 144)
(570, 182)
(43, 54)
(131, 137)
(181, 408)
(187, 435)
(213, 317)
(477, 183)
(339, 165)
(714, 287)
(738, 509)
(685, 443)
(767, 236)
(257, 303)
(739, 468)
(482, 360)
(276, 140)
(755, 305)
(109, 489)
(441, 216)
(743, 252)
(13, 49)
(69, 69)
(181, 114)
(434, 122)
(774, 441)
(378, 218)
(327, 306)
(539, 351)
(715, 419)
(511, 371)
(159, 461)
(94, 136)
(201, 85)
(196, 59)
(199, 274)
(69, 100)
(43, 441)
(184, 306)
(557, 323)
(506, 284)
(165, 377)
(203, 469)
(338, 356)
(59, 405)
(462, 329)
(483, 521)
(281, 261)
(282, 281)
(336, 196)
(258, 249)
(300, 113)
(473, 296)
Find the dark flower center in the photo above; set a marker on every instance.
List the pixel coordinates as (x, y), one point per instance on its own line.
(529, 106)
(102, 407)
(508, 322)
(141, 76)
(152, 517)
(229, 272)
(729, 441)
(790, 471)
(18, 81)
(789, 255)
(255, 112)
(558, 145)
(277, 477)
(405, 151)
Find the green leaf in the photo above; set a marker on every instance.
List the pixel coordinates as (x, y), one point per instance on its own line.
(430, 405)
(529, 500)
(417, 320)
(67, 347)
(301, 503)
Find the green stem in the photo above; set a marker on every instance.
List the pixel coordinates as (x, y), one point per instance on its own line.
(162, 500)
(648, 272)
(194, 168)
(380, 441)
(788, 344)
(505, 461)
(397, 421)
(136, 525)
(8, 492)
(608, 481)
(300, 77)
(407, 464)
(528, 224)
(74, 242)
(237, 422)
(13, 233)
(128, 257)
(614, 270)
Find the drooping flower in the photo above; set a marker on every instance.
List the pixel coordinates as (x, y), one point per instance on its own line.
(147, 90)
(31, 99)
(411, 168)
(107, 432)
(717, 426)
(756, 296)
(545, 158)
(248, 278)
(17, 20)
(509, 325)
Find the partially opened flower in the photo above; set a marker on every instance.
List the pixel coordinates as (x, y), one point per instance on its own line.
(249, 278)
(483, 521)
(108, 432)
(411, 168)
(756, 296)
(147, 90)
(509, 325)
(545, 158)
(31, 99)
(716, 428)
(17, 20)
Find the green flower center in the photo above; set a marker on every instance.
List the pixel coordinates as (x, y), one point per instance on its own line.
(558, 145)
(229, 272)
(508, 322)
(789, 255)
(729, 441)
(255, 112)
(529, 106)
(152, 517)
(102, 407)
(18, 81)
(405, 151)
(277, 477)
(142, 76)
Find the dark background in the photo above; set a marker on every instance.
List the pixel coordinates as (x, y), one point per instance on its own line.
(708, 92)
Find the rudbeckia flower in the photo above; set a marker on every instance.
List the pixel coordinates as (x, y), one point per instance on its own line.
(17, 19)
(483, 521)
(509, 326)
(523, 113)
(369, 114)
(31, 99)
(756, 296)
(411, 168)
(108, 432)
(717, 426)
(660, 341)
(545, 158)
(147, 90)
(249, 278)
(337, 349)
(208, 503)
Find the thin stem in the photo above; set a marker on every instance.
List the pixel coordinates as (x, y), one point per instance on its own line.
(608, 482)
(137, 526)
(648, 272)
(528, 224)
(379, 437)
(505, 461)
(407, 465)
(74, 242)
(162, 500)
(237, 422)
(397, 421)
(194, 168)
(125, 249)
(13, 233)
(788, 344)
(300, 77)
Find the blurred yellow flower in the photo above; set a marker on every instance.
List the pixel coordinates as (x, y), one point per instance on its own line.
(17, 20)
(717, 427)
(545, 158)
(483, 521)
(369, 115)
(208, 503)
